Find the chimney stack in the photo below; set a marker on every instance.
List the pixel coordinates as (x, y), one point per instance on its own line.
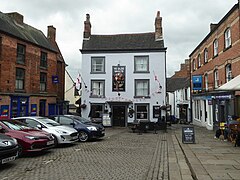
(212, 26)
(18, 18)
(51, 34)
(87, 27)
(158, 27)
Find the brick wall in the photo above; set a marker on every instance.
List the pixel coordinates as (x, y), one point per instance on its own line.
(31, 66)
(225, 56)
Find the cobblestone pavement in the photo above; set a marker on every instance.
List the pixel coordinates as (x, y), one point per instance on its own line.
(121, 154)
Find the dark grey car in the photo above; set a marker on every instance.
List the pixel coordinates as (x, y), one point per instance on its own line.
(8, 148)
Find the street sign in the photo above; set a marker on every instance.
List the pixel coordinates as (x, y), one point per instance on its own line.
(188, 135)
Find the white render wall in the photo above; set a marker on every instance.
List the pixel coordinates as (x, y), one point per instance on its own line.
(156, 65)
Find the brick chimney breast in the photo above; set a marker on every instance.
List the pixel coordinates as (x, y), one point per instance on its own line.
(18, 18)
(51, 34)
(87, 27)
(158, 27)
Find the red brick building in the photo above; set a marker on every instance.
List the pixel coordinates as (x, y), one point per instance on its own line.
(215, 62)
(32, 69)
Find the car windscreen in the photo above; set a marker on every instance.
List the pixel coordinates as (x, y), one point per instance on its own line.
(49, 122)
(14, 125)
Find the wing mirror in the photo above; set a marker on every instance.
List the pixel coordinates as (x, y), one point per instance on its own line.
(39, 126)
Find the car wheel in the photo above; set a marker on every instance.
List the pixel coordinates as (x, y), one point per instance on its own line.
(83, 136)
(20, 150)
(55, 141)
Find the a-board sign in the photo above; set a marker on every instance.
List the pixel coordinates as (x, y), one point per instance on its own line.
(188, 135)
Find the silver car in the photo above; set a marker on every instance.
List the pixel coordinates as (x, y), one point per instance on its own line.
(62, 134)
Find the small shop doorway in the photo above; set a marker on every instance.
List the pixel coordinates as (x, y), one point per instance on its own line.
(119, 116)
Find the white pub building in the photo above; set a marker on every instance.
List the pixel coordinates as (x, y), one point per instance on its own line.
(123, 76)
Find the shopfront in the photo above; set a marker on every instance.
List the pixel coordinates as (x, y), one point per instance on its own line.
(19, 106)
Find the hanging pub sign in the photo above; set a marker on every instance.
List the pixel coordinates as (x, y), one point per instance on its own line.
(118, 78)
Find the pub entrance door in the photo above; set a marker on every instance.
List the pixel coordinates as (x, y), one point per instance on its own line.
(119, 115)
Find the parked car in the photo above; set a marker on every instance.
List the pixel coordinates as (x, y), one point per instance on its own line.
(62, 134)
(8, 148)
(86, 129)
(29, 139)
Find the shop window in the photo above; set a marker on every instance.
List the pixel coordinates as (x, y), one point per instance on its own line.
(98, 65)
(20, 79)
(142, 111)
(96, 112)
(141, 64)
(43, 60)
(21, 50)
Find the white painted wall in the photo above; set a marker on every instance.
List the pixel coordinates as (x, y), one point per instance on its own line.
(156, 65)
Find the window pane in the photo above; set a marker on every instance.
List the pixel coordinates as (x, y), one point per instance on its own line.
(98, 88)
(20, 75)
(142, 112)
(142, 88)
(20, 54)
(141, 63)
(43, 81)
(43, 60)
(98, 64)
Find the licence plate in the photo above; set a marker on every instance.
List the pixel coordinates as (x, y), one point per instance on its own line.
(50, 143)
(8, 159)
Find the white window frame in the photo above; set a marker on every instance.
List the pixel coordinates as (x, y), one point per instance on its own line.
(141, 64)
(98, 65)
(215, 47)
(206, 81)
(227, 37)
(98, 88)
(199, 60)
(194, 64)
(141, 87)
(228, 71)
(205, 55)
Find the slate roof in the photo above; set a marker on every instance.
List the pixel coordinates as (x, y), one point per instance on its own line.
(174, 84)
(123, 42)
(24, 32)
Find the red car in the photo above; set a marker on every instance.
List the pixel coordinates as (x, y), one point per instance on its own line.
(29, 139)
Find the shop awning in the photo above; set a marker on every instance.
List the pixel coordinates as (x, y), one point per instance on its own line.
(232, 85)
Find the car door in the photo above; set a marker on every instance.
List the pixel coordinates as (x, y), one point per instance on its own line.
(66, 121)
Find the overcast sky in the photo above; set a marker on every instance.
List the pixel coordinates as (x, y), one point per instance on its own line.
(185, 22)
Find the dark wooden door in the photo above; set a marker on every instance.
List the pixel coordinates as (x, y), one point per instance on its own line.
(118, 116)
